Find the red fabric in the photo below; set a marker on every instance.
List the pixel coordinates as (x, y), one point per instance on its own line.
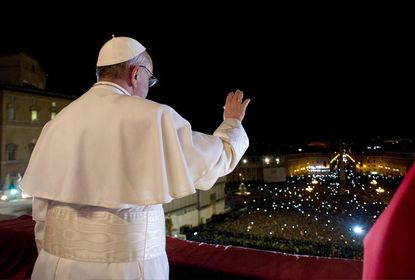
(18, 251)
(193, 260)
(389, 246)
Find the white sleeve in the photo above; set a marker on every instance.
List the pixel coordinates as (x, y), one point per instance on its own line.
(39, 210)
(207, 156)
(234, 143)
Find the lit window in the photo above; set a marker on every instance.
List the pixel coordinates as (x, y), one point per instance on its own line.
(53, 110)
(34, 111)
(35, 116)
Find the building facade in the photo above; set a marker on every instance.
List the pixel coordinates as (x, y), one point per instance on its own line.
(195, 209)
(25, 107)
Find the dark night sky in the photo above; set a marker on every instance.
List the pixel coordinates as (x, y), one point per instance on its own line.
(352, 69)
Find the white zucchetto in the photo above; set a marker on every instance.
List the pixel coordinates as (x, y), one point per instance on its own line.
(118, 50)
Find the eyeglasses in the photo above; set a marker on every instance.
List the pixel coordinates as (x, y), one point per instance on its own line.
(152, 80)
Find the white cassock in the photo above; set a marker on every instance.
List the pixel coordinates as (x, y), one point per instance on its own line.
(99, 175)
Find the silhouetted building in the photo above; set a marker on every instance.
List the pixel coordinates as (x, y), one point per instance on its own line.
(21, 70)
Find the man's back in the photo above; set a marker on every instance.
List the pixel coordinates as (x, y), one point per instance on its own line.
(110, 150)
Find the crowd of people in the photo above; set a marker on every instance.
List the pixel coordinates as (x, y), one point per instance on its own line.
(325, 220)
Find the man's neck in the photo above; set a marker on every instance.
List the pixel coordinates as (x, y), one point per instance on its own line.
(116, 83)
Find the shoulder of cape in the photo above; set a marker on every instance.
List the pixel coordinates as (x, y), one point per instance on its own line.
(121, 103)
(126, 102)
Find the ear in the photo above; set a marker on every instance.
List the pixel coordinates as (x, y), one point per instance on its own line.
(134, 74)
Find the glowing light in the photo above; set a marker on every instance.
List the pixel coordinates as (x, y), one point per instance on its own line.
(358, 229)
(333, 159)
(352, 159)
(380, 190)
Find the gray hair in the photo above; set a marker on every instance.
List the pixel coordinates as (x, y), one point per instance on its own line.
(120, 70)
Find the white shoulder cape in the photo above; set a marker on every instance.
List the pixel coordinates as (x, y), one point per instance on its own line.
(107, 150)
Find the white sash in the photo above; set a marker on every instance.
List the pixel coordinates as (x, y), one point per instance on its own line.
(104, 235)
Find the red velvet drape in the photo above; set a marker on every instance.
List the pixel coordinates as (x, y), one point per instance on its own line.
(389, 246)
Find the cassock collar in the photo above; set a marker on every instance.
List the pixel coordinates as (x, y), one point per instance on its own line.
(120, 89)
